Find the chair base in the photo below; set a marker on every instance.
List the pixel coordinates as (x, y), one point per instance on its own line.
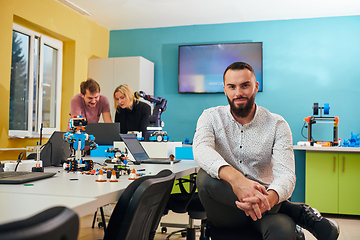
(173, 225)
(188, 230)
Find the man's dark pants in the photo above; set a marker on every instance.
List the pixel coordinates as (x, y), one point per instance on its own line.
(219, 199)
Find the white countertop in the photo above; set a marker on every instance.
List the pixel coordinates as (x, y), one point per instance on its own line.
(327, 149)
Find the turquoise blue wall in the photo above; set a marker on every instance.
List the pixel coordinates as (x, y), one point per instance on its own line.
(305, 61)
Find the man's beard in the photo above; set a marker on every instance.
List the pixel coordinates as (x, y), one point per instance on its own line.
(242, 112)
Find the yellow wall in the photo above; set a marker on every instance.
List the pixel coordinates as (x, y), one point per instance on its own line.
(82, 39)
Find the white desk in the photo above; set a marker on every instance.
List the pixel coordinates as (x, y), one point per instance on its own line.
(18, 206)
(83, 195)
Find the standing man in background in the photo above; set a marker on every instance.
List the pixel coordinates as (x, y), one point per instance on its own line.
(90, 103)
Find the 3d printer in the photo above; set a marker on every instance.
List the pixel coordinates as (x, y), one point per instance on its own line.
(310, 120)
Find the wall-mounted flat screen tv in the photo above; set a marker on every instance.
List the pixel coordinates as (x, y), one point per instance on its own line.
(201, 67)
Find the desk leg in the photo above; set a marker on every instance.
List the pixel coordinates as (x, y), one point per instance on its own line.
(94, 219)
(103, 218)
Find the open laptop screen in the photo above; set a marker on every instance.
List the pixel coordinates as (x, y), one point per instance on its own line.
(104, 133)
(134, 147)
(56, 150)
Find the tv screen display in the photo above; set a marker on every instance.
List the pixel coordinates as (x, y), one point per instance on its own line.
(201, 67)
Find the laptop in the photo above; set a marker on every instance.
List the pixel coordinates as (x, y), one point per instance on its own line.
(56, 150)
(104, 133)
(139, 153)
(22, 177)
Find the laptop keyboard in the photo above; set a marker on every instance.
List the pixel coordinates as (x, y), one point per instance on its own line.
(159, 161)
(12, 174)
(23, 177)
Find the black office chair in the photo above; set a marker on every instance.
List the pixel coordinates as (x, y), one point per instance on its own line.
(186, 202)
(57, 223)
(140, 207)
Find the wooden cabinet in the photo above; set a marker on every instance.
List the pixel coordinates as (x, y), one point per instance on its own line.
(137, 72)
(332, 182)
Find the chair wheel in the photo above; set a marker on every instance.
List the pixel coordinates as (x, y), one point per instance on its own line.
(100, 225)
(163, 230)
(183, 234)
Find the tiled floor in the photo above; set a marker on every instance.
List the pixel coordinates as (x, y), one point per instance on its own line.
(349, 228)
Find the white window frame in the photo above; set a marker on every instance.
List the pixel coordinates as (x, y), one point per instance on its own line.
(29, 133)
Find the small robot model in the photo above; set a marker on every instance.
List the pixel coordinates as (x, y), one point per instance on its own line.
(119, 157)
(77, 137)
(119, 160)
(159, 136)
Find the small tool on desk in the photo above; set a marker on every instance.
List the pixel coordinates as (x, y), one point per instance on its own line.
(172, 158)
(38, 166)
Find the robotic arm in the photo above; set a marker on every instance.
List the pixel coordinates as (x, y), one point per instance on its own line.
(154, 130)
(160, 107)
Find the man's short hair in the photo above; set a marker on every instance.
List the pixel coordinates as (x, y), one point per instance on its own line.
(238, 66)
(91, 85)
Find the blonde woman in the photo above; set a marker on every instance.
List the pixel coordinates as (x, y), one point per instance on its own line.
(132, 114)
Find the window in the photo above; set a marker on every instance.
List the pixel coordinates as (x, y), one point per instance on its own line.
(35, 85)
